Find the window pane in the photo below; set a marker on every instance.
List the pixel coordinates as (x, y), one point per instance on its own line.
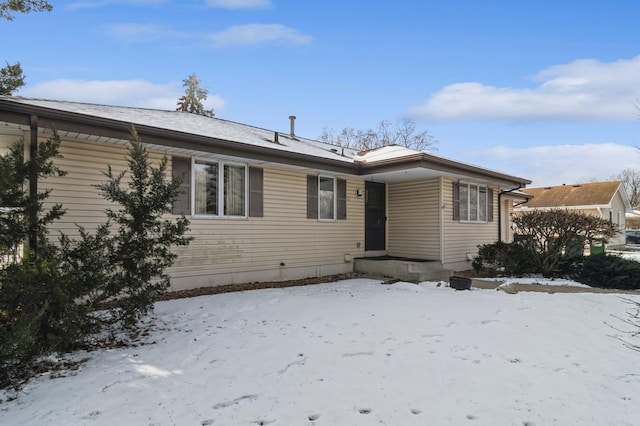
(206, 188)
(326, 198)
(482, 203)
(234, 191)
(473, 202)
(464, 201)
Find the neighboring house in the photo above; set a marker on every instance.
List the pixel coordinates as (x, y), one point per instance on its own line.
(268, 206)
(606, 200)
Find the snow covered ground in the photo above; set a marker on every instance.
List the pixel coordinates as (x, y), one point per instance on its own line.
(357, 352)
(539, 280)
(632, 252)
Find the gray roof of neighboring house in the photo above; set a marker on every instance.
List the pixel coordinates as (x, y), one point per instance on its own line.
(192, 132)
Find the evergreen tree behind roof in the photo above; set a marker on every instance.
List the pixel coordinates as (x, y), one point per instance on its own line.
(193, 97)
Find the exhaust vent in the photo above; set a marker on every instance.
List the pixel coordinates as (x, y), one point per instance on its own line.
(292, 132)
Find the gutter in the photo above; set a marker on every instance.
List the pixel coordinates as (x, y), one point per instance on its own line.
(20, 113)
(117, 129)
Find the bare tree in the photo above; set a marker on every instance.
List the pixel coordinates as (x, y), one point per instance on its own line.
(631, 181)
(404, 133)
(7, 7)
(193, 97)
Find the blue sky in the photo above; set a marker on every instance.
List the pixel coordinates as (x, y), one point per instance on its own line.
(546, 90)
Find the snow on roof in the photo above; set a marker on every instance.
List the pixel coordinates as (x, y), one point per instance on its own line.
(225, 130)
(386, 153)
(198, 125)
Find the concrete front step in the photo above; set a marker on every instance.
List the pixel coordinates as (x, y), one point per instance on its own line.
(406, 270)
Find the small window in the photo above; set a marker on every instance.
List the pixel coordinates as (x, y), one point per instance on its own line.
(234, 190)
(219, 189)
(472, 202)
(206, 188)
(327, 198)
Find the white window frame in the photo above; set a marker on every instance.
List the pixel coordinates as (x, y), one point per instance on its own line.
(220, 190)
(467, 203)
(335, 199)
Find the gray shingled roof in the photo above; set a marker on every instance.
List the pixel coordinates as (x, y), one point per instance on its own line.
(198, 125)
(204, 133)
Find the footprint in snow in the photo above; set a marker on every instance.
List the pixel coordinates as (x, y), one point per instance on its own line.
(314, 417)
(238, 400)
(349, 355)
(364, 410)
(207, 422)
(264, 422)
(415, 411)
(92, 414)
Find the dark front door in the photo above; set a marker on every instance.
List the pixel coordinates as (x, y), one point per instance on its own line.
(374, 217)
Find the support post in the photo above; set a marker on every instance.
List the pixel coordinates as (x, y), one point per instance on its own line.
(33, 184)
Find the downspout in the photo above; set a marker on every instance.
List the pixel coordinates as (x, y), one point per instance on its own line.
(33, 184)
(500, 208)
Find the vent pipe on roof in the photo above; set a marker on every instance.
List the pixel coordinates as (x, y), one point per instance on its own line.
(292, 132)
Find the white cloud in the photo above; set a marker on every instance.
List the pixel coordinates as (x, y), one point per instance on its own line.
(102, 3)
(241, 35)
(252, 34)
(138, 93)
(141, 33)
(581, 90)
(239, 4)
(555, 165)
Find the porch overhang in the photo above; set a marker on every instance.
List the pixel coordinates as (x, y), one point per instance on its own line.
(423, 165)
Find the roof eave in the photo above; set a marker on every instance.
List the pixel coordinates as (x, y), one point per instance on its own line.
(21, 113)
(87, 124)
(427, 161)
(584, 207)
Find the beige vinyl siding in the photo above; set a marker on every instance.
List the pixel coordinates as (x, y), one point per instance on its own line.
(413, 219)
(461, 238)
(7, 140)
(85, 164)
(225, 250)
(283, 235)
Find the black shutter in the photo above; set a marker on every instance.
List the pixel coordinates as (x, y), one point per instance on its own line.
(312, 197)
(456, 201)
(256, 192)
(490, 204)
(181, 169)
(342, 198)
